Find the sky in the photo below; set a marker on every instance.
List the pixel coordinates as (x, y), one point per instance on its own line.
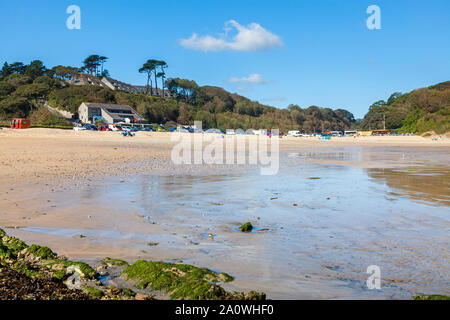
(304, 52)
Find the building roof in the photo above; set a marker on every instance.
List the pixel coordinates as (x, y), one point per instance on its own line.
(106, 105)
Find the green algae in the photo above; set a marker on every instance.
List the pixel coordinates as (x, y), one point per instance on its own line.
(114, 262)
(6, 252)
(94, 292)
(246, 227)
(431, 297)
(182, 281)
(41, 252)
(2, 233)
(87, 271)
(30, 271)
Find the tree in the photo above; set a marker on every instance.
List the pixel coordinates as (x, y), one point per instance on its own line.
(393, 97)
(6, 71)
(185, 113)
(162, 74)
(379, 103)
(154, 64)
(102, 61)
(35, 69)
(182, 88)
(14, 106)
(91, 64)
(148, 68)
(346, 114)
(17, 67)
(105, 73)
(63, 72)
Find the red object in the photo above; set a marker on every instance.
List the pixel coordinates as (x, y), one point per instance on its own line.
(20, 123)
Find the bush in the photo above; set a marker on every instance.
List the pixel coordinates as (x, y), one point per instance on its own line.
(44, 118)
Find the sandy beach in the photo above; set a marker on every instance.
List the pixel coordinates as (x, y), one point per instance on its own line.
(38, 154)
(89, 195)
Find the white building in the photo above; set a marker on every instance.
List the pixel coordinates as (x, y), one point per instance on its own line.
(112, 113)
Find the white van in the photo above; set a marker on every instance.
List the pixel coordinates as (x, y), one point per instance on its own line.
(114, 127)
(294, 133)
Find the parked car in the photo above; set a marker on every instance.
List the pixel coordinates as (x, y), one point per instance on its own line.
(79, 128)
(212, 130)
(294, 133)
(91, 127)
(172, 129)
(103, 127)
(114, 127)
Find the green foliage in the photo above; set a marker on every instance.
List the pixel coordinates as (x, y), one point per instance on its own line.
(182, 281)
(44, 118)
(23, 89)
(421, 110)
(14, 107)
(35, 69)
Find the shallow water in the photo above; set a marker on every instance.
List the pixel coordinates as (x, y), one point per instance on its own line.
(319, 224)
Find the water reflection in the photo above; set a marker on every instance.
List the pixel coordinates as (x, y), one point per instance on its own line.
(418, 183)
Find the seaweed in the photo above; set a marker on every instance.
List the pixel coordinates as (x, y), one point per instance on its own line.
(182, 281)
(41, 252)
(246, 227)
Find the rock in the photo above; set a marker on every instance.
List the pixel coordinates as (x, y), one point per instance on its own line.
(246, 227)
(140, 296)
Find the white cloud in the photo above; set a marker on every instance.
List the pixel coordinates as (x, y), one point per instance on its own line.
(253, 78)
(244, 89)
(248, 38)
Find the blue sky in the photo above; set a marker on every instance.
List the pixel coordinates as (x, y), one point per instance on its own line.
(277, 52)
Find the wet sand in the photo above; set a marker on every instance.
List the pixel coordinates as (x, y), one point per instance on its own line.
(378, 200)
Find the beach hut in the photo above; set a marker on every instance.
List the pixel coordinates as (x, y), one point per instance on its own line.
(20, 123)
